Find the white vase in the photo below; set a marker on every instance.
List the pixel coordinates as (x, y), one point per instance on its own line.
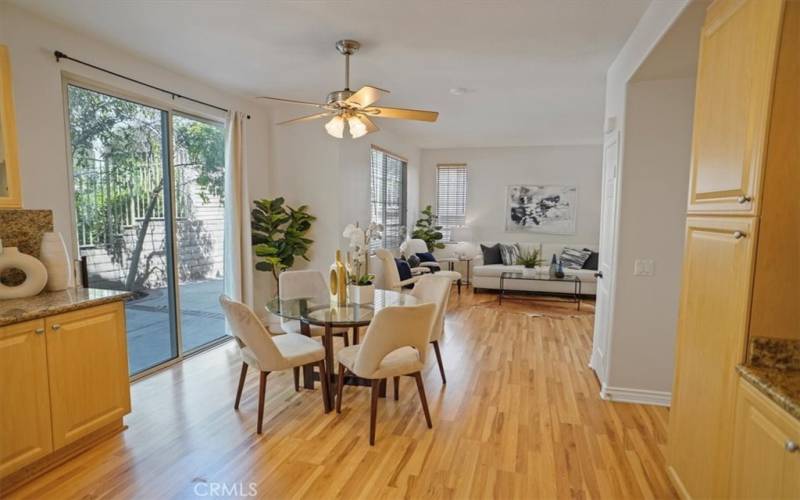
(361, 294)
(35, 274)
(529, 272)
(53, 254)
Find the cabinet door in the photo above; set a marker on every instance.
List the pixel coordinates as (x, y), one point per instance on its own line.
(762, 466)
(88, 368)
(24, 396)
(734, 84)
(717, 270)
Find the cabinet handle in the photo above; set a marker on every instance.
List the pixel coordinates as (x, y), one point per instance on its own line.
(743, 199)
(56, 327)
(791, 446)
(39, 331)
(739, 235)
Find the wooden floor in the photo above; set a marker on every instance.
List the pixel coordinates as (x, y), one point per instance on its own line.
(520, 417)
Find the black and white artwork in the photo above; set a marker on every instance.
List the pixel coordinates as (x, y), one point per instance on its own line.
(541, 209)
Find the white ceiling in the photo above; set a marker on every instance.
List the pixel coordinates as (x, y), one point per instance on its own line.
(535, 69)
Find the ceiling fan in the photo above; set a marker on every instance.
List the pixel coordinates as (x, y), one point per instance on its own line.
(354, 110)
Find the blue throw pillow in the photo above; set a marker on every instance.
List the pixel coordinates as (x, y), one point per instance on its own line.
(403, 269)
(426, 257)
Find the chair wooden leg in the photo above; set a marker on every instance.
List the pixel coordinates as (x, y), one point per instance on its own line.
(242, 376)
(373, 410)
(262, 389)
(296, 378)
(421, 388)
(355, 335)
(339, 387)
(346, 338)
(459, 287)
(396, 388)
(439, 359)
(323, 376)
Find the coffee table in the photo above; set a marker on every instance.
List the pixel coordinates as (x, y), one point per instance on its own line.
(574, 280)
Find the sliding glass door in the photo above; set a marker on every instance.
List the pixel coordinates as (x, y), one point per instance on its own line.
(199, 185)
(148, 187)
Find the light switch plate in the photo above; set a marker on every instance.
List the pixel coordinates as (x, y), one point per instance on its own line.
(643, 267)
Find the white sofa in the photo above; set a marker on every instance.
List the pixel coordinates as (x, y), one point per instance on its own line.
(487, 277)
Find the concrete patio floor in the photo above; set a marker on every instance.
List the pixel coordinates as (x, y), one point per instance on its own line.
(149, 338)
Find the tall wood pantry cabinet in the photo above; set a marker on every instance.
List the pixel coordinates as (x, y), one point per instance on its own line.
(742, 247)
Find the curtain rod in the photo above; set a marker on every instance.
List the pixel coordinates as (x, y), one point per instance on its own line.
(60, 55)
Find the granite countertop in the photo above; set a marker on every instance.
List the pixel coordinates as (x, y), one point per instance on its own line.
(781, 386)
(773, 367)
(49, 303)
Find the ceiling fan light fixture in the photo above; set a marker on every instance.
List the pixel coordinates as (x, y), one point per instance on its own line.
(357, 127)
(355, 110)
(335, 127)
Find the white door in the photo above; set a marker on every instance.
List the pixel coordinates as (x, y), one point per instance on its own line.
(608, 228)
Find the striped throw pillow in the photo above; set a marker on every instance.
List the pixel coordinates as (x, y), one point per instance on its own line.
(509, 254)
(574, 258)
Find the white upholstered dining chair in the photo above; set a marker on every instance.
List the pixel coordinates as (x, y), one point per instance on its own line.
(388, 278)
(395, 345)
(435, 289)
(269, 354)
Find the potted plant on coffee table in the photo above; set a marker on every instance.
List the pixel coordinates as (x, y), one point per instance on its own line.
(530, 260)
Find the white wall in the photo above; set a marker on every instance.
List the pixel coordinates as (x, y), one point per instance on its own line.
(332, 176)
(37, 80)
(651, 226)
(654, 118)
(490, 170)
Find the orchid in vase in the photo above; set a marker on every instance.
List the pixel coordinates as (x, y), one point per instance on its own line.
(360, 282)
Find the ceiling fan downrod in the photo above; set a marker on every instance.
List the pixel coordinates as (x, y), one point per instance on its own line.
(347, 48)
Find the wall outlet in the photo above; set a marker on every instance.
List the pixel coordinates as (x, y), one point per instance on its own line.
(644, 267)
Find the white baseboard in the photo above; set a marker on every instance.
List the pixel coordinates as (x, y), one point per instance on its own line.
(625, 395)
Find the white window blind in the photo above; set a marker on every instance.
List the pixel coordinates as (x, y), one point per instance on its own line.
(451, 197)
(388, 196)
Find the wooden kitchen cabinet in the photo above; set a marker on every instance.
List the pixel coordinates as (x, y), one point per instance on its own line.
(736, 69)
(63, 386)
(764, 465)
(742, 224)
(25, 433)
(88, 368)
(712, 328)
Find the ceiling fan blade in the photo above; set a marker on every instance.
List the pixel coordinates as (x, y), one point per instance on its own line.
(305, 118)
(293, 101)
(371, 127)
(365, 96)
(402, 114)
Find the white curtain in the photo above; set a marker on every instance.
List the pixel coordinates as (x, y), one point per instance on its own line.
(238, 260)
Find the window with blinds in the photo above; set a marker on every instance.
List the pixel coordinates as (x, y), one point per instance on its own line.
(388, 197)
(451, 197)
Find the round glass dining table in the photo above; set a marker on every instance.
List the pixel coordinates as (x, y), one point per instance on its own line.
(321, 311)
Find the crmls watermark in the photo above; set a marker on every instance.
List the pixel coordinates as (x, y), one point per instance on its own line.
(214, 489)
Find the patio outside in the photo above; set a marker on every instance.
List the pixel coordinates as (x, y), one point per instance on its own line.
(147, 321)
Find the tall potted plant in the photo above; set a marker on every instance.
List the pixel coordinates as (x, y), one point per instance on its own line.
(427, 229)
(279, 235)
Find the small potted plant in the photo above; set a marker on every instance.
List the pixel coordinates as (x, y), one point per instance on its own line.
(361, 288)
(530, 259)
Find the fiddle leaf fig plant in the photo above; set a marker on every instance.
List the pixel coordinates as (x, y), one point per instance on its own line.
(279, 234)
(428, 230)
